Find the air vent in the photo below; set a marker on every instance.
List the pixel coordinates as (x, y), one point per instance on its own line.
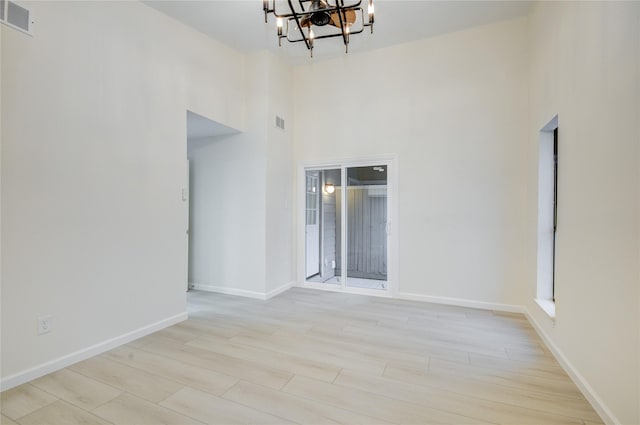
(16, 16)
(279, 122)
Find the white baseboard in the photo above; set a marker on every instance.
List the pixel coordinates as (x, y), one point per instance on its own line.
(590, 394)
(348, 290)
(460, 302)
(279, 290)
(242, 292)
(77, 356)
(229, 291)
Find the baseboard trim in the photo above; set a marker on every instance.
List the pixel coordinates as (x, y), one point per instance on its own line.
(279, 290)
(85, 353)
(590, 394)
(242, 292)
(461, 302)
(229, 291)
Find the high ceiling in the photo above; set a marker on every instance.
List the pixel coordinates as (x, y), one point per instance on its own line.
(240, 23)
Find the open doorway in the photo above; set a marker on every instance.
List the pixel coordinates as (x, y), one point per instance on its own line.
(202, 239)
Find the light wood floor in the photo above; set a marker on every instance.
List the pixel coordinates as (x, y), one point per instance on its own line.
(314, 357)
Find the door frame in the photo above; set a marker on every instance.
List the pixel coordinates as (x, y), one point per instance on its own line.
(391, 162)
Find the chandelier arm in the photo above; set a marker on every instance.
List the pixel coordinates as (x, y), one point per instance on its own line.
(342, 23)
(295, 16)
(320, 37)
(304, 13)
(351, 6)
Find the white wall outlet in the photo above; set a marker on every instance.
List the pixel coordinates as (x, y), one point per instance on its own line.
(44, 324)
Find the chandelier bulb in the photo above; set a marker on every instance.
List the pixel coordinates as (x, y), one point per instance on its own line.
(279, 24)
(346, 39)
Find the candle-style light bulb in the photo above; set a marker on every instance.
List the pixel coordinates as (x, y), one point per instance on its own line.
(346, 38)
(371, 11)
(279, 24)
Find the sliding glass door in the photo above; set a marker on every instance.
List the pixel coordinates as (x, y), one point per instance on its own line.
(346, 239)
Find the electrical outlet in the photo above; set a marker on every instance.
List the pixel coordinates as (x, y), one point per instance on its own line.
(44, 324)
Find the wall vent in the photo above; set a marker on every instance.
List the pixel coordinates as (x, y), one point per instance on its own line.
(16, 16)
(280, 122)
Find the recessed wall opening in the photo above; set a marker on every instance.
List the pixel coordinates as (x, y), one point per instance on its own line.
(547, 216)
(206, 175)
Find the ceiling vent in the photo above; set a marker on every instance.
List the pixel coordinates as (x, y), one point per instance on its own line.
(16, 16)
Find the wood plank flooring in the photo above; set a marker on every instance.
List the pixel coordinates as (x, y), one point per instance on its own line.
(314, 357)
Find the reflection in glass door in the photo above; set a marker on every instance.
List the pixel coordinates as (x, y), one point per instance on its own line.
(346, 212)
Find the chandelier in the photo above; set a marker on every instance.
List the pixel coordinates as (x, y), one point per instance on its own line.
(310, 20)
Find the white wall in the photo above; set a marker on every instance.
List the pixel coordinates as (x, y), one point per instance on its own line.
(93, 162)
(454, 110)
(0, 196)
(241, 193)
(280, 177)
(638, 227)
(585, 60)
(227, 215)
(227, 200)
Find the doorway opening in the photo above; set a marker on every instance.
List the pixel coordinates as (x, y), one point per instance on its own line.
(204, 239)
(346, 226)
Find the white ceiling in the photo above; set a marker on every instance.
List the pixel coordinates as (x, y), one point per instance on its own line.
(240, 23)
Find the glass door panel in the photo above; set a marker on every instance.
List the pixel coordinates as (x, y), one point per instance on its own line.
(322, 230)
(366, 230)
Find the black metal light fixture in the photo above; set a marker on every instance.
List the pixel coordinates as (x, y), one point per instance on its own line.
(329, 18)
